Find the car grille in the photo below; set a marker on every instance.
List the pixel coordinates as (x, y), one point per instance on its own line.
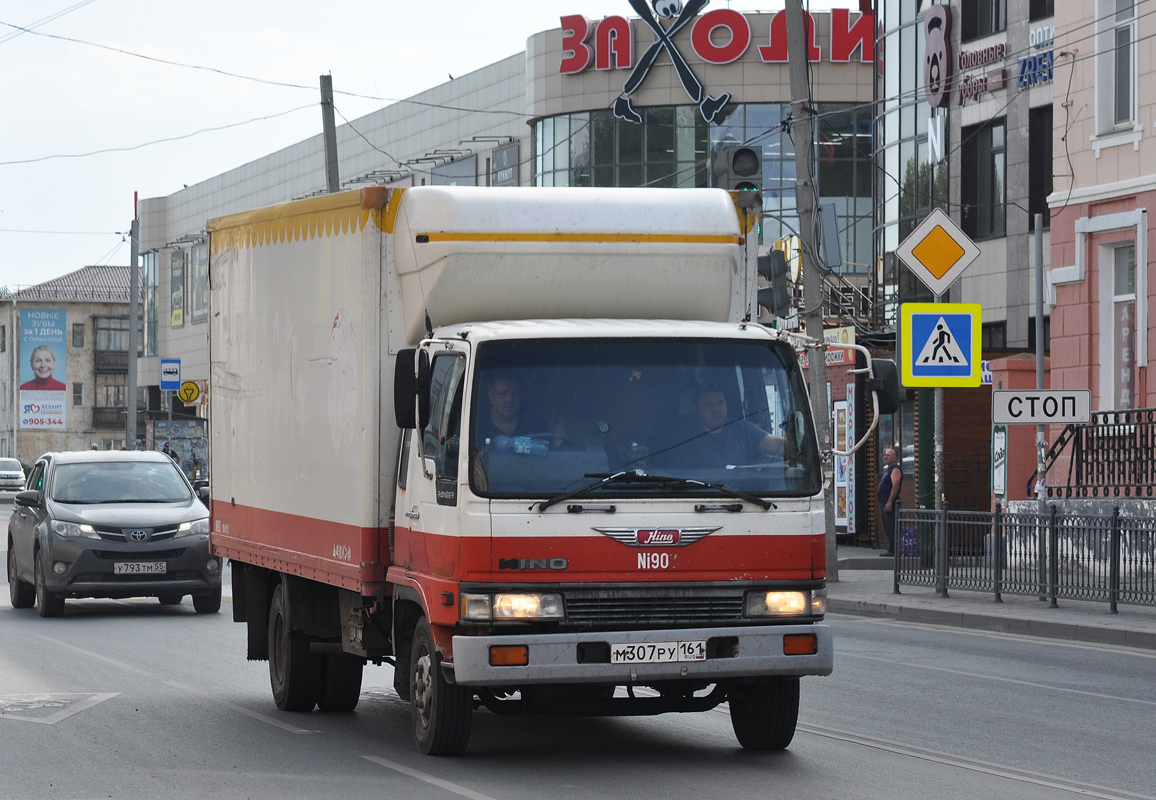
(103, 577)
(649, 607)
(109, 534)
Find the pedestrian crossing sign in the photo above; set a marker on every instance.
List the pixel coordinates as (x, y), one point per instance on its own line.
(941, 344)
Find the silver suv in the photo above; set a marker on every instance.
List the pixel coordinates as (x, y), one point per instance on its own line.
(11, 474)
(110, 524)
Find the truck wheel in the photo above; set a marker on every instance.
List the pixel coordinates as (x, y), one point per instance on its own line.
(208, 603)
(22, 595)
(341, 686)
(48, 604)
(442, 712)
(764, 715)
(294, 672)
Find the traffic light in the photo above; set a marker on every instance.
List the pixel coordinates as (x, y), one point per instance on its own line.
(776, 297)
(739, 168)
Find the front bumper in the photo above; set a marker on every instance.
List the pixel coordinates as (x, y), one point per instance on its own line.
(554, 657)
(89, 568)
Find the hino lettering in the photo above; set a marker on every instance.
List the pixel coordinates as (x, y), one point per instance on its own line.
(532, 563)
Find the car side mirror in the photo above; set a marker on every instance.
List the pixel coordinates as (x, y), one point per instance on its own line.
(203, 494)
(29, 498)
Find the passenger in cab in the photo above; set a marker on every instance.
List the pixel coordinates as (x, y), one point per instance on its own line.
(715, 439)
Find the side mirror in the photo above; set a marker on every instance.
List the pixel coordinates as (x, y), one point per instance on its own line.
(411, 389)
(29, 498)
(203, 494)
(885, 385)
(405, 389)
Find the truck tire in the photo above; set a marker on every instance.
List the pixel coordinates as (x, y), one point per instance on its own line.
(341, 686)
(294, 672)
(764, 715)
(22, 595)
(442, 712)
(48, 604)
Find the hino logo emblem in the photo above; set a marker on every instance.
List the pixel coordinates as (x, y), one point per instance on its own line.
(532, 563)
(657, 537)
(708, 106)
(138, 535)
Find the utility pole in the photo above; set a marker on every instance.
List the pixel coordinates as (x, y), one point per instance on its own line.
(332, 183)
(133, 322)
(802, 133)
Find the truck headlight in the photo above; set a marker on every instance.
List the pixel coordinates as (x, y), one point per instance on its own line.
(777, 604)
(510, 607)
(197, 526)
(73, 530)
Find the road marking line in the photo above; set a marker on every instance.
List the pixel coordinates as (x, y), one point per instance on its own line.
(422, 776)
(975, 765)
(1015, 681)
(1007, 637)
(69, 707)
(276, 723)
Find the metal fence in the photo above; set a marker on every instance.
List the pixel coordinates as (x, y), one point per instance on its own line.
(1109, 558)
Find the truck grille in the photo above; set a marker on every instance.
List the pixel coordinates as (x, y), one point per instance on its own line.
(647, 608)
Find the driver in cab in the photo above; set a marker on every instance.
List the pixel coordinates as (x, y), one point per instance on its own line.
(714, 439)
(499, 426)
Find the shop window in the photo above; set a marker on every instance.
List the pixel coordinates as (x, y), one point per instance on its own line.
(981, 18)
(1039, 164)
(1039, 9)
(993, 336)
(982, 189)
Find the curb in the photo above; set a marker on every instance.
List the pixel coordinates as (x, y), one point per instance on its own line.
(989, 622)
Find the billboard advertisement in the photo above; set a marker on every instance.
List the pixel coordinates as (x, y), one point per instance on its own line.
(43, 386)
(199, 284)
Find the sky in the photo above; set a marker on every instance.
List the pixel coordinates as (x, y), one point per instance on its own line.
(104, 98)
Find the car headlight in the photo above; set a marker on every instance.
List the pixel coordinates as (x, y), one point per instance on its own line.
(197, 526)
(510, 607)
(74, 531)
(783, 604)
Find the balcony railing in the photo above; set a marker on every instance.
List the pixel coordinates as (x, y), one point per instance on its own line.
(109, 417)
(110, 360)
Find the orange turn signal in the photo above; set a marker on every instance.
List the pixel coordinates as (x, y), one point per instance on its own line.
(511, 655)
(794, 644)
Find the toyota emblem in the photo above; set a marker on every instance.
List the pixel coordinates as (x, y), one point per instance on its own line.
(138, 535)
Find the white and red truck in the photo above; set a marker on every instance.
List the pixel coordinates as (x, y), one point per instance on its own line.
(521, 445)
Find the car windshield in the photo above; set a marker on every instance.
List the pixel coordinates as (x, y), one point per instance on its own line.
(548, 414)
(9, 465)
(119, 482)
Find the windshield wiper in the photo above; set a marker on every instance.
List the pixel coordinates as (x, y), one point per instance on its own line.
(638, 476)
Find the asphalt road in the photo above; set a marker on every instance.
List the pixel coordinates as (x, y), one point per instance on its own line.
(130, 699)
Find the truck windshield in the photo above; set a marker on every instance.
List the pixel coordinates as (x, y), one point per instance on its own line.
(548, 414)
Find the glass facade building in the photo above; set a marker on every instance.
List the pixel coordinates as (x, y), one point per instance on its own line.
(675, 147)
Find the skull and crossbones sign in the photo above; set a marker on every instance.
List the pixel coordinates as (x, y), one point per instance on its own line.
(665, 9)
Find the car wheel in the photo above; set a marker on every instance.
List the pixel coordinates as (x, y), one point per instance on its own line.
(23, 595)
(294, 672)
(442, 712)
(170, 598)
(764, 715)
(341, 686)
(48, 604)
(208, 603)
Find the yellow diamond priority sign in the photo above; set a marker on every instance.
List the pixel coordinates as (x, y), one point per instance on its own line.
(937, 252)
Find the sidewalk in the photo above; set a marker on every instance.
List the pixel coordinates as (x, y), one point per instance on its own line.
(865, 588)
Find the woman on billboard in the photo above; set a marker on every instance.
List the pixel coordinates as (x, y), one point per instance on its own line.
(43, 362)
